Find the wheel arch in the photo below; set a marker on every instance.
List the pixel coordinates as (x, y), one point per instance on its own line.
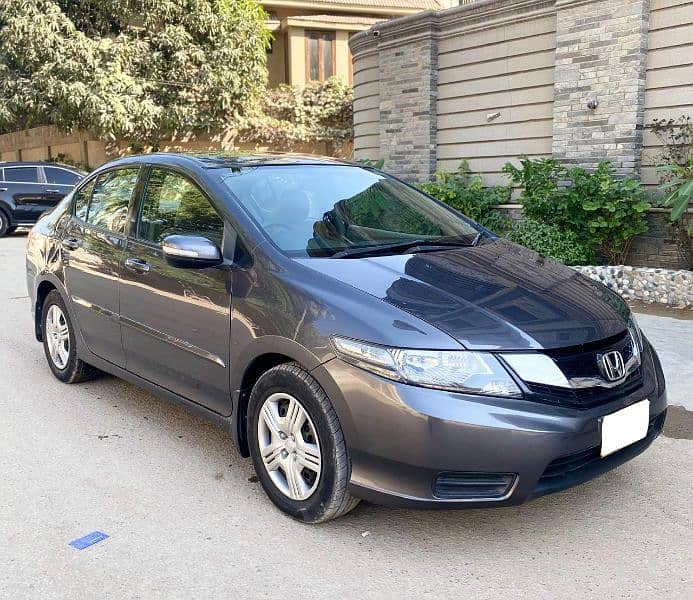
(44, 287)
(263, 354)
(7, 211)
(257, 367)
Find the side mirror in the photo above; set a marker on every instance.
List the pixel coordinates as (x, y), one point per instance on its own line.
(191, 251)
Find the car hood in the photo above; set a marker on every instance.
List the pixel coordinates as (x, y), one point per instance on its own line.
(497, 295)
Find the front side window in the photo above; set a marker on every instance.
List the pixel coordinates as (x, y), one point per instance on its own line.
(21, 174)
(60, 176)
(321, 210)
(82, 197)
(110, 198)
(175, 205)
(319, 55)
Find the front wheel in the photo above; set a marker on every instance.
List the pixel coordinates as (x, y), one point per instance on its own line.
(4, 223)
(59, 342)
(297, 446)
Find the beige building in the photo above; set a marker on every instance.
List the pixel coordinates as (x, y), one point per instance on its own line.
(311, 37)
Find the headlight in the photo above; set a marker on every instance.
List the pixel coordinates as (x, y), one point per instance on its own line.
(459, 371)
(635, 334)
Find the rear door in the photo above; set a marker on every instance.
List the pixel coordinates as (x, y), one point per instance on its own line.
(176, 322)
(58, 183)
(93, 245)
(23, 191)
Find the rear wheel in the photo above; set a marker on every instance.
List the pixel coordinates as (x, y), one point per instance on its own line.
(297, 446)
(59, 342)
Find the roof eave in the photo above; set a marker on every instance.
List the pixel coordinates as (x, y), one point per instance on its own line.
(374, 9)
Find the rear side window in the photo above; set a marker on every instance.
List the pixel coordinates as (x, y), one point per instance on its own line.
(111, 195)
(60, 176)
(82, 200)
(175, 205)
(21, 174)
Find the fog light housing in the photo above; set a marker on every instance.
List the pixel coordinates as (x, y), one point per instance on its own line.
(452, 485)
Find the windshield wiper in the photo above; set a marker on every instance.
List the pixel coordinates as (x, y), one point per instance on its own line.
(424, 245)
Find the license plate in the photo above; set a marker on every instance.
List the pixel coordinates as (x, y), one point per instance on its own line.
(625, 427)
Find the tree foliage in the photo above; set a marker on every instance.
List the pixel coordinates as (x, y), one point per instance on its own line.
(287, 115)
(138, 69)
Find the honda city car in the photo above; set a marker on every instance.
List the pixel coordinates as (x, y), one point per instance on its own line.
(356, 337)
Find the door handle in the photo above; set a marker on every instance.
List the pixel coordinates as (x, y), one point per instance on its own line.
(53, 191)
(136, 264)
(3, 189)
(70, 243)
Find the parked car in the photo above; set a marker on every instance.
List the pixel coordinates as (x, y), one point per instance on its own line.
(356, 337)
(28, 189)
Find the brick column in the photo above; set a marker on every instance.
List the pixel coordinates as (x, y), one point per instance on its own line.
(408, 62)
(601, 49)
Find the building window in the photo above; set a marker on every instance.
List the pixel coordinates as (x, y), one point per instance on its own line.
(320, 62)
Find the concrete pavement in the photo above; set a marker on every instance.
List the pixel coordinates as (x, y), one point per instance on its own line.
(187, 519)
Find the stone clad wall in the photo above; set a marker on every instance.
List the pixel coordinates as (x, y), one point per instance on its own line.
(495, 89)
(491, 80)
(600, 57)
(408, 76)
(495, 79)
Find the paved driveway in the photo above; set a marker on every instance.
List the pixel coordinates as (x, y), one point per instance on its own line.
(187, 519)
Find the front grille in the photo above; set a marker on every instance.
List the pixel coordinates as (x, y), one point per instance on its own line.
(583, 362)
(472, 486)
(572, 469)
(585, 397)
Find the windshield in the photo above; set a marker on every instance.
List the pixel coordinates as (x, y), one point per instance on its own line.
(326, 210)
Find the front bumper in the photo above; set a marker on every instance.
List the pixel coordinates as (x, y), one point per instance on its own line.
(401, 437)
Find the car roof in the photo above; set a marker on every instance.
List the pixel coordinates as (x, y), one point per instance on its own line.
(219, 160)
(37, 163)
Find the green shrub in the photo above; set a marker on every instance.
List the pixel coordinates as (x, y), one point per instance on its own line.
(565, 247)
(465, 192)
(599, 210)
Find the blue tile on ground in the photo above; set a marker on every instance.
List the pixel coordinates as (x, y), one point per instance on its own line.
(88, 540)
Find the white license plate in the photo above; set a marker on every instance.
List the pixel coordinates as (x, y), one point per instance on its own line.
(625, 426)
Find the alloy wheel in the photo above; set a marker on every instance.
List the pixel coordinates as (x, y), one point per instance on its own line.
(57, 336)
(289, 446)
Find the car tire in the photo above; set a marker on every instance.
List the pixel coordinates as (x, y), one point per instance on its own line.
(10, 230)
(59, 342)
(4, 223)
(326, 493)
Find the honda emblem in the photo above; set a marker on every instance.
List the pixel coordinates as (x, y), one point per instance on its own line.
(612, 366)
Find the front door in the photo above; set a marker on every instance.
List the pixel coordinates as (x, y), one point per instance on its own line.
(92, 246)
(176, 322)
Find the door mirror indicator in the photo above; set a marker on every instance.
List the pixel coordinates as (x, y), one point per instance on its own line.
(191, 251)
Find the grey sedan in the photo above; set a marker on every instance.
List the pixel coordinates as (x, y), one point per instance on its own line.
(357, 338)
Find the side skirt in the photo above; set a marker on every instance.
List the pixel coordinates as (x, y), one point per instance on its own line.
(197, 409)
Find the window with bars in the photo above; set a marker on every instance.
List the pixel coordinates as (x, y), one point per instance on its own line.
(320, 59)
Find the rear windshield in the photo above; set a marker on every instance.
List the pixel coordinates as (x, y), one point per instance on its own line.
(320, 210)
